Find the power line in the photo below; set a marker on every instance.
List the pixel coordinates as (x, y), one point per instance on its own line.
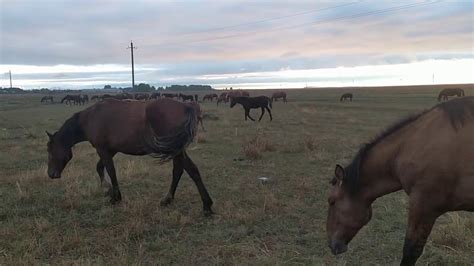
(353, 16)
(269, 19)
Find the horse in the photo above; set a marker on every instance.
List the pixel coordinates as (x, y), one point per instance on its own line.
(84, 99)
(428, 155)
(210, 97)
(185, 97)
(244, 93)
(262, 102)
(198, 110)
(196, 97)
(169, 95)
(222, 98)
(95, 98)
(141, 96)
(346, 96)
(76, 99)
(155, 95)
(443, 95)
(279, 94)
(233, 93)
(162, 128)
(47, 98)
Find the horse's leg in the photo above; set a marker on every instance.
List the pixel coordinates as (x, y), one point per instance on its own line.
(193, 172)
(100, 170)
(269, 112)
(263, 111)
(107, 159)
(247, 113)
(421, 219)
(177, 173)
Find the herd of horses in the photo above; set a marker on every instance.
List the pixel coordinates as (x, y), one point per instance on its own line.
(428, 155)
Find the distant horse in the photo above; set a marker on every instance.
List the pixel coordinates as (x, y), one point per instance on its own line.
(163, 128)
(47, 98)
(222, 98)
(196, 97)
(210, 97)
(262, 102)
(84, 99)
(155, 95)
(185, 97)
(346, 96)
(279, 94)
(124, 95)
(428, 155)
(141, 96)
(444, 94)
(244, 93)
(95, 98)
(233, 93)
(169, 95)
(76, 99)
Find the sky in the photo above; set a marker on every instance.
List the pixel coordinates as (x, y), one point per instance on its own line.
(244, 44)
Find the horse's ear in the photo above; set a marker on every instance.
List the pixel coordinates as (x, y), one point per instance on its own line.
(49, 134)
(339, 173)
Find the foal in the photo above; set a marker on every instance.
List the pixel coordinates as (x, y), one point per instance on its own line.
(248, 103)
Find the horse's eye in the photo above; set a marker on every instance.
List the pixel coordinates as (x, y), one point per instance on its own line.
(333, 181)
(331, 201)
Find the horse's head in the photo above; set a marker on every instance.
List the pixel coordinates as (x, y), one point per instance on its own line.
(347, 213)
(58, 155)
(233, 101)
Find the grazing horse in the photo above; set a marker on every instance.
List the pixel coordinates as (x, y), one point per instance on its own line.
(169, 95)
(155, 95)
(163, 128)
(222, 98)
(346, 96)
(233, 93)
(47, 98)
(142, 96)
(76, 99)
(244, 93)
(185, 97)
(279, 94)
(248, 103)
(429, 156)
(210, 97)
(445, 93)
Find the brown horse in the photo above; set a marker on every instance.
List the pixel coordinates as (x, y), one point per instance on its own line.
(47, 98)
(69, 99)
(429, 156)
(222, 98)
(142, 96)
(245, 93)
(279, 94)
(169, 95)
(346, 96)
(210, 97)
(163, 128)
(444, 94)
(262, 102)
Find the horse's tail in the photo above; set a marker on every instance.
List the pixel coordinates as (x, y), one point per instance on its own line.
(270, 103)
(439, 96)
(462, 93)
(340, 99)
(167, 147)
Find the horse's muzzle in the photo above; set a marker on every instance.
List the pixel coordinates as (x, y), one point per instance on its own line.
(337, 247)
(54, 174)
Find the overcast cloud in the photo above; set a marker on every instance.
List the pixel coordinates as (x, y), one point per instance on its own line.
(184, 41)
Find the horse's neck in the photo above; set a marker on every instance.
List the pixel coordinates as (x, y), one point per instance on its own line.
(71, 132)
(376, 172)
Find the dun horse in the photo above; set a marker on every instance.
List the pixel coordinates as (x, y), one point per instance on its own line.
(279, 94)
(444, 94)
(346, 96)
(262, 102)
(429, 156)
(162, 128)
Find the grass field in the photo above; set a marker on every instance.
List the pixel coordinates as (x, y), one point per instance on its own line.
(69, 221)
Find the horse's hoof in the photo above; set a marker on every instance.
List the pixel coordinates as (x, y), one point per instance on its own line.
(115, 201)
(208, 212)
(166, 201)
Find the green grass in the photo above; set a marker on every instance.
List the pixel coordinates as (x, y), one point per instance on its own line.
(68, 221)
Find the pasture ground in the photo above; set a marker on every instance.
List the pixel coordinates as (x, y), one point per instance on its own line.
(69, 221)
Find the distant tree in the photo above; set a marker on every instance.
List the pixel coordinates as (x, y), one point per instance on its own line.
(107, 87)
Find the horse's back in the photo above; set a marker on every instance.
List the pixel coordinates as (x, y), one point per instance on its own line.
(437, 153)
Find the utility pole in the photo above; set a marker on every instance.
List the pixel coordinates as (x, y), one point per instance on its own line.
(133, 67)
(10, 79)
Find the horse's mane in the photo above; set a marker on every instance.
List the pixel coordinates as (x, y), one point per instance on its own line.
(456, 110)
(70, 130)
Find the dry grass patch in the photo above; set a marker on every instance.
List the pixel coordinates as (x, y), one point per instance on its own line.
(455, 235)
(255, 147)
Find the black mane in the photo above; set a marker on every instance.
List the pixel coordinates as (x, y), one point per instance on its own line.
(456, 110)
(70, 132)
